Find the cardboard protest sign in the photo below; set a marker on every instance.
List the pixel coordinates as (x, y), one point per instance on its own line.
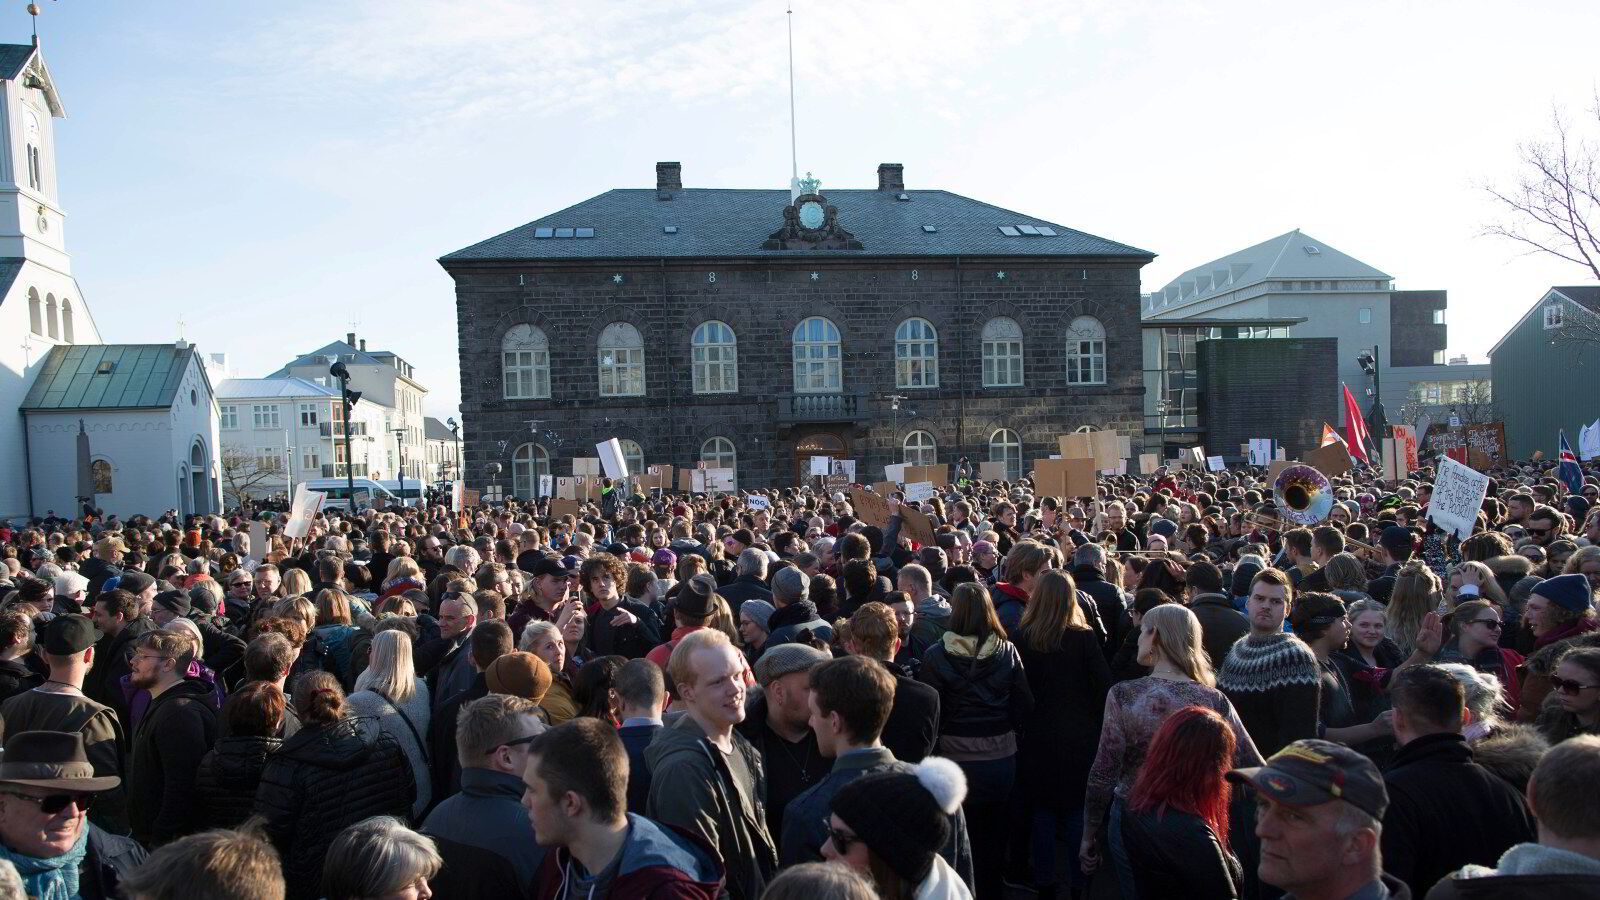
(835, 484)
(258, 541)
(1332, 460)
(720, 480)
(918, 491)
(567, 487)
(1458, 494)
(1149, 463)
(916, 525)
(885, 488)
(992, 471)
(560, 507)
(585, 465)
(1064, 478)
(1488, 438)
(895, 473)
(870, 508)
(686, 480)
(1393, 459)
(938, 474)
(757, 501)
(661, 473)
(611, 458)
(1104, 447)
(472, 498)
(1215, 464)
(304, 509)
(1405, 441)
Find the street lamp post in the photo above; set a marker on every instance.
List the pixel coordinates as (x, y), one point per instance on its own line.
(400, 460)
(455, 432)
(349, 398)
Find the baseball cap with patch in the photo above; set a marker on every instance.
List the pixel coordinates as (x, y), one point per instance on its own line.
(1313, 772)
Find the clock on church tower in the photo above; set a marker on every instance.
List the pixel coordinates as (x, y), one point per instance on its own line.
(811, 223)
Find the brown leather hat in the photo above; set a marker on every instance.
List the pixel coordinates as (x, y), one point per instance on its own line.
(51, 759)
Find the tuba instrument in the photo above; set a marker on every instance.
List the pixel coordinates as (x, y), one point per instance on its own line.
(1303, 495)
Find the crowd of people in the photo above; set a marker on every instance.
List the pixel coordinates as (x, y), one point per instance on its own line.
(1167, 690)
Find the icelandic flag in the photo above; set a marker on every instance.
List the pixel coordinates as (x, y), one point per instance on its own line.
(1568, 470)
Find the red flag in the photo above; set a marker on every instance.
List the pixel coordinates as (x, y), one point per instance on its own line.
(1355, 428)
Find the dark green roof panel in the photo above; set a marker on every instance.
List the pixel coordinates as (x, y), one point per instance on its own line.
(143, 376)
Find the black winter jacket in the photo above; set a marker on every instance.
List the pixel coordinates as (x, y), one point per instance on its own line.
(323, 780)
(1069, 686)
(979, 696)
(225, 786)
(172, 738)
(1436, 789)
(1175, 854)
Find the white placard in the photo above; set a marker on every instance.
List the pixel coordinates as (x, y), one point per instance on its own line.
(845, 467)
(720, 480)
(611, 458)
(697, 481)
(1458, 494)
(757, 501)
(895, 473)
(1588, 441)
(306, 504)
(458, 495)
(1260, 451)
(1215, 463)
(820, 465)
(258, 541)
(918, 491)
(547, 485)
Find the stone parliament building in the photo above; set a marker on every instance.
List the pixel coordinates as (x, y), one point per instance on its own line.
(756, 328)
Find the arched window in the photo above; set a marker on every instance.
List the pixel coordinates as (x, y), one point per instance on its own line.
(633, 455)
(1002, 353)
(920, 449)
(52, 326)
(621, 361)
(816, 356)
(1005, 447)
(718, 453)
(33, 140)
(715, 359)
(35, 313)
(527, 464)
(101, 470)
(1086, 351)
(916, 355)
(525, 364)
(67, 330)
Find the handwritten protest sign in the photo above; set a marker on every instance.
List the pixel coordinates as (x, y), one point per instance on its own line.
(559, 508)
(1458, 494)
(870, 507)
(1215, 464)
(306, 504)
(915, 525)
(1332, 460)
(918, 491)
(1149, 463)
(1064, 477)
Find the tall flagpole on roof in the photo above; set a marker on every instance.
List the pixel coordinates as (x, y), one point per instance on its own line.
(794, 156)
(33, 10)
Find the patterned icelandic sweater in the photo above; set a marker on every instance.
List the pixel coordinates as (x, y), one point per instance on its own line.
(1274, 682)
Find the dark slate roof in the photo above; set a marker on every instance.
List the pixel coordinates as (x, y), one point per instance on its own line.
(722, 223)
(346, 353)
(435, 430)
(141, 376)
(9, 267)
(1587, 296)
(12, 58)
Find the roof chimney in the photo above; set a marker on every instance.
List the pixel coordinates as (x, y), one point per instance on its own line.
(363, 345)
(891, 177)
(350, 338)
(669, 177)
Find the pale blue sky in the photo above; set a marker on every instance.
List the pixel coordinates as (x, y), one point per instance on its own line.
(271, 171)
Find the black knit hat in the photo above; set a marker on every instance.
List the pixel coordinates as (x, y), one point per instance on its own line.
(904, 817)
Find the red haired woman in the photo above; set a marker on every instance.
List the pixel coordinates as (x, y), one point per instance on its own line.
(1176, 825)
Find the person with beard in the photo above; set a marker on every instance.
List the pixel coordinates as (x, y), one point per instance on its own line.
(176, 731)
(115, 614)
(776, 725)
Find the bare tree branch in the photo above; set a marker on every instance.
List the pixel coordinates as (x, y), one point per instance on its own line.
(1555, 207)
(242, 472)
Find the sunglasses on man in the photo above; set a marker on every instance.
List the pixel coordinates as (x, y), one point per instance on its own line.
(53, 804)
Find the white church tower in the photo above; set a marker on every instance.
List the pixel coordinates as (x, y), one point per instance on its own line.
(41, 306)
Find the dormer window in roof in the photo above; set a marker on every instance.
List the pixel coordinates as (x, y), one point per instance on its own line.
(544, 232)
(1009, 230)
(1312, 250)
(106, 367)
(930, 229)
(669, 229)
(563, 232)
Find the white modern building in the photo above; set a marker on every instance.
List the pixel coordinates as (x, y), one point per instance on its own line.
(278, 432)
(387, 382)
(133, 427)
(444, 450)
(41, 306)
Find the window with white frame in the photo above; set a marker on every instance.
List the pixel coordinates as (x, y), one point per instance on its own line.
(1086, 351)
(916, 355)
(1365, 316)
(527, 464)
(621, 356)
(1438, 357)
(268, 461)
(714, 358)
(817, 356)
(1002, 353)
(1004, 446)
(310, 460)
(1554, 316)
(229, 417)
(265, 415)
(718, 453)
(308, 415)
(920, 449)
(633, 455)
(1438, 317)
(525, 363)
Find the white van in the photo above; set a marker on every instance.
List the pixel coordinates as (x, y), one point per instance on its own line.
(367, 492)
(411, 495)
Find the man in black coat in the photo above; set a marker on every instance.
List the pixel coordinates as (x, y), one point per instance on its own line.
(177, 729)
(1088, 572)
(116, 615)
(1445, 811)
(913, 726)
(1220, 624)
(751, 584)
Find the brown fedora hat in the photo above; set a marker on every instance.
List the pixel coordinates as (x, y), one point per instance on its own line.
(51, 759)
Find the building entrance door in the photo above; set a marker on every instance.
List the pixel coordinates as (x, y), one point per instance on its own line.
(817, 443)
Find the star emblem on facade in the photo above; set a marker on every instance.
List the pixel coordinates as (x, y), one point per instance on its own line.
(816, 276)
(1000, 275)
(616, 279)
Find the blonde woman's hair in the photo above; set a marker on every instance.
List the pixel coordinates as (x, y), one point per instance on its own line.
(402, 567)
(296, 583)
(391, 672)
(1345, 573)
(1575, 561)
(1416, 593)
(1488, 588)
(1176, 633)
